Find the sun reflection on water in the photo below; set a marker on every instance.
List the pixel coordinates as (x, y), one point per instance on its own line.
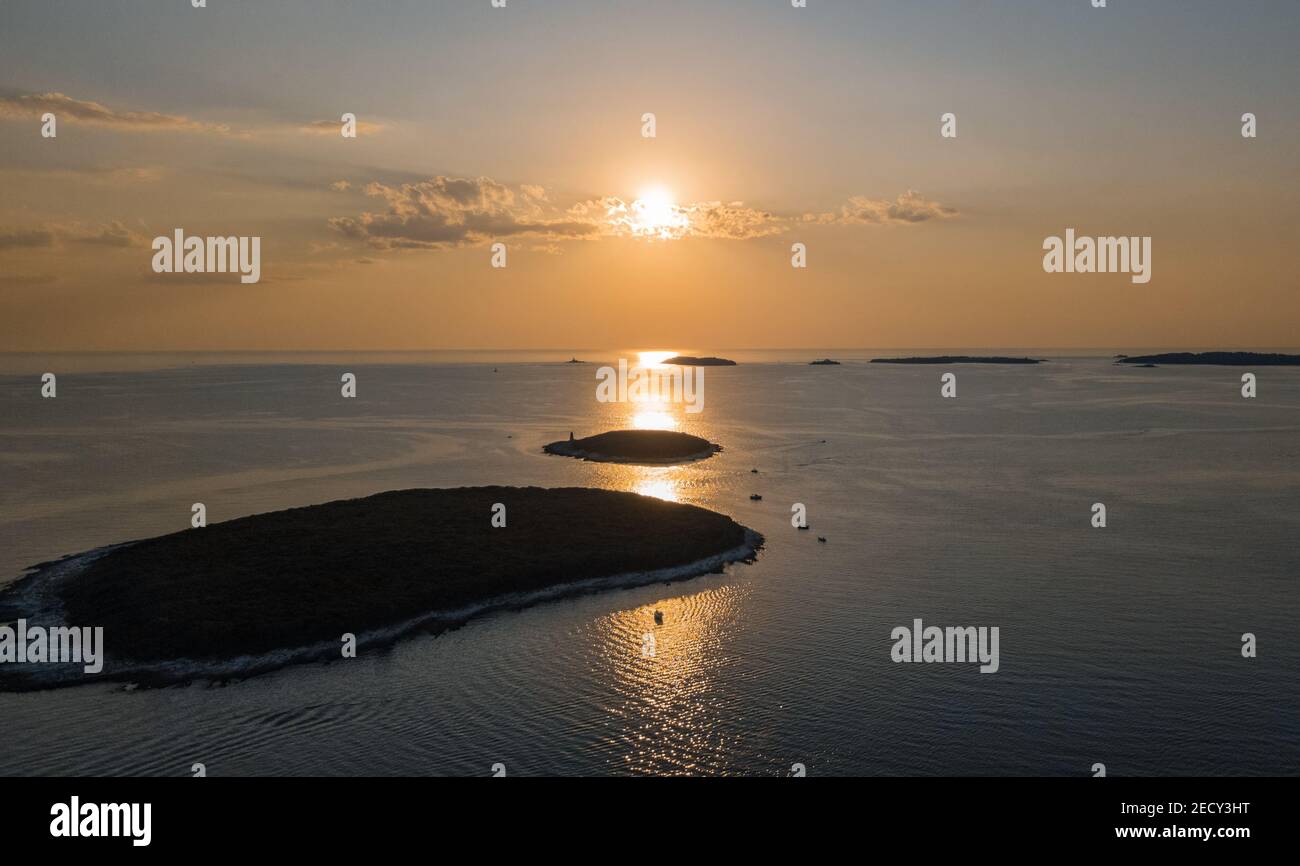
(654, 418)
(660, 488)
(672, 483)
(664, 675)
(669, 710)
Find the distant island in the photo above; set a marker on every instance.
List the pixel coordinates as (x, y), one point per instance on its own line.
(1227, 359)
(692, 361)
(824, 362)
(636, 446)
(956, 359)
(377, 568)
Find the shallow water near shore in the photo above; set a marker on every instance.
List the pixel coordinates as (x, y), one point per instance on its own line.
(1119, 645)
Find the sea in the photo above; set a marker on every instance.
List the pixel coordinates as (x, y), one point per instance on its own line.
(1120, 645)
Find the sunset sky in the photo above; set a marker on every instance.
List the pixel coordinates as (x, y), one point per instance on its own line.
(523, 126)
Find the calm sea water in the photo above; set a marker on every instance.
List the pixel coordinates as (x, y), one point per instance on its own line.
(1118, 645)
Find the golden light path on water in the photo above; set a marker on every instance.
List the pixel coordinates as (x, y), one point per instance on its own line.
(652, 417)
(665, 677)
(658, 412)
(665, 694)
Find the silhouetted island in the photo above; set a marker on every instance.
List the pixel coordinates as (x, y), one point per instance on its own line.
(956, 359)
(574, 361)
(1227, 359)
(636, 446)
(692, 361)
(377, 568)
(824, 362)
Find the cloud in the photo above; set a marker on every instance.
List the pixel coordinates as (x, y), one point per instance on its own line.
(335, 127)
(707, 219)
(731, 221)
(447, 212)
(910, 207)
(130, 176)
(65, 107)
(94, 175)
(25, 239)
(113, 234)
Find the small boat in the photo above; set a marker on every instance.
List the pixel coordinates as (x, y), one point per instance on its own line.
(753, 471)
(822, 539)
(802, 528)
(659, 617)
(755, 497)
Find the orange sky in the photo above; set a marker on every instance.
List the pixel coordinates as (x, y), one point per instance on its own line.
(774, 127)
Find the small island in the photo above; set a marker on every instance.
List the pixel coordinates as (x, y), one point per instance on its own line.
(824, 362)
(292, 583)
(636, 446)
(956, 359)
(1226, 359)
(692, 361)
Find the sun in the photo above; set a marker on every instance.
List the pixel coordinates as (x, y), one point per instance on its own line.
(654, 359)
(654, 213)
